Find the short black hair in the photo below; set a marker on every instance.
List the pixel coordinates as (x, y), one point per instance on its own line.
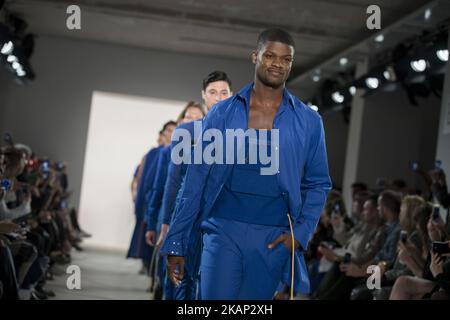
(372, 198)
(216, 76)
(274, 34)
(391, 200)
(168, 123)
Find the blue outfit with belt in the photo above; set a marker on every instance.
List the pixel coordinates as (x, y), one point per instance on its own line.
(138, 247)
(302, 180)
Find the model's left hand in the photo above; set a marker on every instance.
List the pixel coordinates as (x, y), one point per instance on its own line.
(286, 240)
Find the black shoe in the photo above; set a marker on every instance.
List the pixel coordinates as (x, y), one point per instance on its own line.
(84, 234)
(77, 247)
(36, 295)
(48, 293)
(158, 293)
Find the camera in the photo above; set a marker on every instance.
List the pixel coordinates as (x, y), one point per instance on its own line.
(440, 247)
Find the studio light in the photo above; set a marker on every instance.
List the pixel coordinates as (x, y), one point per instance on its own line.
(352, 90)
(7, 48)
(337, 97)
(379, 38)
(418, 65)
(11, 58)
(372, 82)
(442, 55)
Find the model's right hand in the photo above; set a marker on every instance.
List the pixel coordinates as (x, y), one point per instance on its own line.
(175, 269)
(150, 237)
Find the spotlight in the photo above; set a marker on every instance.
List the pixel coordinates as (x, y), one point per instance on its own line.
(20, 72)
(16, 65)
(7, 48)
(337, 97)
(372, 82)
(442, 55)
(389, 74)
(343, 61)
(418, 65)
(352, 90)
(427, 14)
(379, 38)
(11, 58)
(316, 75)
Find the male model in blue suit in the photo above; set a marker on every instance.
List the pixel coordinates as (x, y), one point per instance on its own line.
(245, 215)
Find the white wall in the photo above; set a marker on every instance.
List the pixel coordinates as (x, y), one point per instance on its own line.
(52, 113)
(120, 128)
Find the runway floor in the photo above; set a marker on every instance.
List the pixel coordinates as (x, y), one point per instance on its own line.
(105, 275)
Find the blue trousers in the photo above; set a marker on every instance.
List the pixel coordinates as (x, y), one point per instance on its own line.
(236, 263)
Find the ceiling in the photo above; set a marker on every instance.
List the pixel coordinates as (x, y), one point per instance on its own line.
(322, 29)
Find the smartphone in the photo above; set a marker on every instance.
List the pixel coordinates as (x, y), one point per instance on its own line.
(436, 214)
(414, 165)
(440, 247)
(5, 184)
(7, 137)
(438, 165)
(337, 209)
(403, 236)
(347, 258)
(44, 166)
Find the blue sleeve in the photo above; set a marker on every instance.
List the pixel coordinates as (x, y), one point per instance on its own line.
(156, 194)
(315, 185)
(171, 188)
(189, 206)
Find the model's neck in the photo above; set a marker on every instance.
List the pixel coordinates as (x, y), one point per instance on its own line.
(267, 95)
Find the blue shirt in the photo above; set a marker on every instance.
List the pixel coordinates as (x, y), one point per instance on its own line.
(303, 168)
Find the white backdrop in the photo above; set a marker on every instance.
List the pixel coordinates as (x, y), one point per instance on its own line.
(122, 128)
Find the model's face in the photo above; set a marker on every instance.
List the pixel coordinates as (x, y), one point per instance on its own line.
(192, 114)
(168, 133)
(273, 63)
(215, 91)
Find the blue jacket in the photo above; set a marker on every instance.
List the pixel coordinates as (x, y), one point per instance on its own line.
(155, 195)
(145, 181)
(303, 169)
(175, 176)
